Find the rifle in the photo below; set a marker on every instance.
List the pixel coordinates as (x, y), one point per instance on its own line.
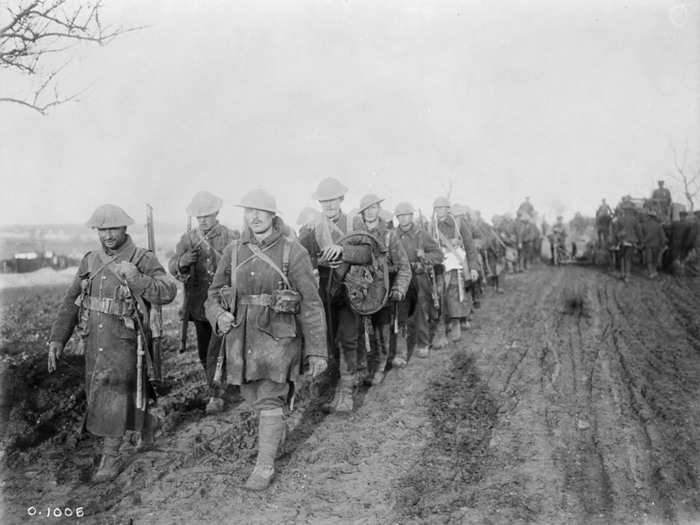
(184, 322)
(156, 313)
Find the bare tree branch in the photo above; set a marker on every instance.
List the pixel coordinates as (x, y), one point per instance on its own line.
(691, 187)
(38, 29)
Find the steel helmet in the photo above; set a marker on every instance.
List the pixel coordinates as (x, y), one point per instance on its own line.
(458, 209)
(404, 208)
(368, 200)
(204, 203)
(441, 202)
(259, 200)
(109, 216)
(328, 189)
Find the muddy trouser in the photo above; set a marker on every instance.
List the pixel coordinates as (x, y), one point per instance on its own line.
(626, 254)
(203, 330)
(417, 306)
(381, 338)
(652, 256)
(347, 328)
(452, 306)
(265, 394)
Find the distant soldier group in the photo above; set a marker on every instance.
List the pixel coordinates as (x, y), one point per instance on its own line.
(649, 229)
(341, 300)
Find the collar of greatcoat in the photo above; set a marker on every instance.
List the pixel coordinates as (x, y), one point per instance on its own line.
(125, 251)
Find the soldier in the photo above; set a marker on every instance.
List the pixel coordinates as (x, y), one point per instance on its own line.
(196, 257)
(109, 302)
(263, 293)
(603, 218)
(557, 240)
(399, 278)
(460, 265)
(423, 255)
(661, 198)
(526, 210)
(332, 258)
(654, 241)
(628, 234)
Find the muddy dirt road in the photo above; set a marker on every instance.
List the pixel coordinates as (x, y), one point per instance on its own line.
(574, 399)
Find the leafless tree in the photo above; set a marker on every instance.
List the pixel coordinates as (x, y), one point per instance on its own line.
(35, 36)
(687, 177)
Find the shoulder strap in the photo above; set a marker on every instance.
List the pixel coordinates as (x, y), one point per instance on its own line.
(234, 263)
(266, 259)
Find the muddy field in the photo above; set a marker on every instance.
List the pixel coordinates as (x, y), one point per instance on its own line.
(574, 399)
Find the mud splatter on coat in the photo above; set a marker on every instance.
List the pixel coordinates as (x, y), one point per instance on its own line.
(264, 344)
(110, 345)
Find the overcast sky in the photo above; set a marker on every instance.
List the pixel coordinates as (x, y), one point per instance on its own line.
(568, 102)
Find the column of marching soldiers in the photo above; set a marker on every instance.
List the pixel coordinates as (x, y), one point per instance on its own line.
(270, 307)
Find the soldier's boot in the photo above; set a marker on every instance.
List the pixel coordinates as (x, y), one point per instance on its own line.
(215, 405)
(270, 432)
(378, 376)
(344, 399)
(464, 323)
(455, 330)
(401, 358)
(423, 352)
(439, 338)
(108, 469)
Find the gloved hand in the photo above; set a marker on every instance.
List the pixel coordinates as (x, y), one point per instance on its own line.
(224, 322)
(331, 253)
(395, 295)
(317, 365)
(55, 352)
(188, 258)
(474, 275)
(127, 271)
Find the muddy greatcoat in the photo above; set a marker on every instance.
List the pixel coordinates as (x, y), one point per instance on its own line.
(211, 247)
(343, 322)
(459, 235)
(264, 344)
(418, 302)
(110, 342)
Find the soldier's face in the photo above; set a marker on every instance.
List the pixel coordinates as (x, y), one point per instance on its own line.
(207, 222)
(442, 211)
(371, 213)
(331, 208)
(405, 219)
(259, 221)
(112, 238)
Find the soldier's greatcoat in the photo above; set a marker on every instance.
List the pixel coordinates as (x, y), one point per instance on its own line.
(110, 344)
(457, 232)
(211, 247)
(264, 344)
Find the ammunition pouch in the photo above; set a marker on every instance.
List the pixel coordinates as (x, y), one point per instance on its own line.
(286, 301)
(107, 305)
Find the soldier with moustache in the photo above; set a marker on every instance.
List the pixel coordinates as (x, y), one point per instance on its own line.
(460, 264)
(369, 220)
(332, 258)
(196, 258)
(423, 255)
(109, 304)
(265, 302)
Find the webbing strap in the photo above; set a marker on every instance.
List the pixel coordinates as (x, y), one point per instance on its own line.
(266, 259)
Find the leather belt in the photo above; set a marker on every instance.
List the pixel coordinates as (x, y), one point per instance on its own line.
(107, 305)
(256, 300)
